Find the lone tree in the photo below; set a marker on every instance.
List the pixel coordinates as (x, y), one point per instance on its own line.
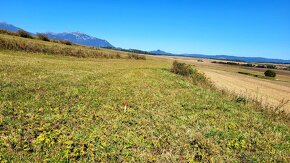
(270, 73)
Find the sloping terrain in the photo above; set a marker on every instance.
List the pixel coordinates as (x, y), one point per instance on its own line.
(79, 38)
(67, 103)
(272, 93)
(62, 108)
(75, 37)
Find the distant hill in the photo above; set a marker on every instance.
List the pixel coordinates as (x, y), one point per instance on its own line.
(236, 58)
(8, 27)
(84, 39)
(224, 57)
(159, 52)
(75, 37)
(79, 38)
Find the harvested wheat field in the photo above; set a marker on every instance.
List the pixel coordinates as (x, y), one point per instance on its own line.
(274, 94)
(268, 93)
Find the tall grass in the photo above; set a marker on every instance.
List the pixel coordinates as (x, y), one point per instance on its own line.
(10, 41)
(35, 46)
(2, 31)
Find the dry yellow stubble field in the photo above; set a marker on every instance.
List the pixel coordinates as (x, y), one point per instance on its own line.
(271, 93)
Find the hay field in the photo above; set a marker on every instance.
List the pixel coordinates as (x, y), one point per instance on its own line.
(271, 93)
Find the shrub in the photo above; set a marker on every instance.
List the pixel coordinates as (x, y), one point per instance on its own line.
(241, 99)
(232, 63)
(248, 65)
(118, 55)
(199, 60)
(187, 70)
(136, 56)
(181, 69)
(24, 34)
(271, 66)
(2, 31)
(261, 66)
(226, 63)
(42, 37)
(270, 73)
(66, 42)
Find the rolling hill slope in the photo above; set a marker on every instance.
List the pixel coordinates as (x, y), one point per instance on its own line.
(9, 27)
(75, 37)
(79, 38)
(64, 108)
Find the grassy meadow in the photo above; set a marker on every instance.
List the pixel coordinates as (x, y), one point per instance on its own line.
(65, 108)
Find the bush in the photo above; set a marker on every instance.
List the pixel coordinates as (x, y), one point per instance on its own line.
(248, 65)
(241, 99)
(232, 63)
(181, 69)
(261, 66)
(42, 37)
(271, 66)
(24, 34)
(270, 73)
(66, 42)
(187, 70)
(136, 56)
(2, 31)
(226, 63)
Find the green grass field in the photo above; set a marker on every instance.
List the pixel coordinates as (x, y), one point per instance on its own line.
(62, 108)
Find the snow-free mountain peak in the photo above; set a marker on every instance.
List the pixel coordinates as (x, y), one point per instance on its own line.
(159, 52)
(75, 37)
(8, 27)
(79, 38)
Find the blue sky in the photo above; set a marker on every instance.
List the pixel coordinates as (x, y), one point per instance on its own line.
(230, 27)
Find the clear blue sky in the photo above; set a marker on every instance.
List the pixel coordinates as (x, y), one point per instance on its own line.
(230, 27)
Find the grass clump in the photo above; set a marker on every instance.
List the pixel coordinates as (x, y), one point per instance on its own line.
(270, 73)
(24, 34)
(66, 42)
(136, 56)
(42, 37)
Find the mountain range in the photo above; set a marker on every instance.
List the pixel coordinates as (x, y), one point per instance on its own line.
(224, 57)
(160, 52)
(79, 38)
(9, 27)
(84, 39)
(75, 37)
